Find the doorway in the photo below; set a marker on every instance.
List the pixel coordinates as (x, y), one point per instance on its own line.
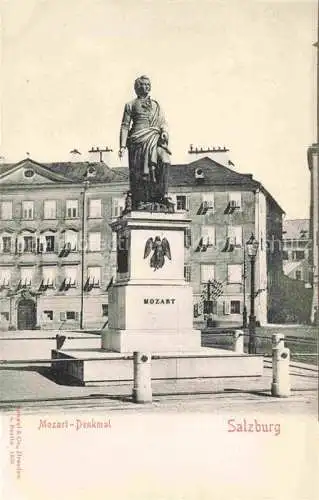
(27, 315)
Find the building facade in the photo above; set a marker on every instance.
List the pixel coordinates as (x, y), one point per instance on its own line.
(58, 253)
(313, 164)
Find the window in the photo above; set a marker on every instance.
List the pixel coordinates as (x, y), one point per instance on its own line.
(49, 243)
(295, 243)
(207, 272)
(234, 273)
(187, 272)
(234, 200)
(6, 244)
(234, 233)
(94, 242)
(4, 316)
(95, 208)
(207, 203)
(118, 205)
(105, 309)
(5, 277)
(6, 210)
(46, 243)
(285, 255)
(298, 255)
(93, 279)
(73, 315)
(50, 209)
(71, 274)
(182, 202)
(208, 234)
(26, 275)
(210, 307)
(71, 240)
(28, 244)
(27, 209)
(48, 276)
(303, 243)
(47, 316)
(28, 173)
(298, 275)
(235, 307)
(288, 243)
(207, 238)
(226, 307)
(72, 210)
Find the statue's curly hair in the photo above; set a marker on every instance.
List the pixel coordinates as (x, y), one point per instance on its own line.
(138, 82)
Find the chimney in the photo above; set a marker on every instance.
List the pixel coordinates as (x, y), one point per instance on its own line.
(101, 154)
(219, 154)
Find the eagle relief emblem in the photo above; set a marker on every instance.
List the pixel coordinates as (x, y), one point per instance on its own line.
(160, 248)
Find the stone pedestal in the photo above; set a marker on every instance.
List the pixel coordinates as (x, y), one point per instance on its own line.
(150, 304)
(151, 310)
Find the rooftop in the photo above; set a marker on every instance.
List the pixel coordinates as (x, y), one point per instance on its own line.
(203, 171)
(296, 229)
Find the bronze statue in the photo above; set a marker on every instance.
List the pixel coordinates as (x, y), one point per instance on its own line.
(144, 133)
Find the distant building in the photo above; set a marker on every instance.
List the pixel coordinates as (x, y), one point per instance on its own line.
(313, 164)
(297, 249)
(58, 253)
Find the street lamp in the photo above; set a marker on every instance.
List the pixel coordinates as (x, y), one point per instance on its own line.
(252, 249)
(244, 290)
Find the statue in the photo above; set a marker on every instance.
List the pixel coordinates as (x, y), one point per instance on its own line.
(144, 133)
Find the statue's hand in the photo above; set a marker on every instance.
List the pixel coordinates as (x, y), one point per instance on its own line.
(121, 152)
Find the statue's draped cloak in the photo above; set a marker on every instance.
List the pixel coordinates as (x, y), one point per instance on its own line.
(148, 154)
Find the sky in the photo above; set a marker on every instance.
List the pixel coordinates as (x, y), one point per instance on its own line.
(234, 73)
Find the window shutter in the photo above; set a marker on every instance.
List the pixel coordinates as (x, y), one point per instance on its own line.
(20, 244)
(62, 316)
(188, 237)
(187, 204)
(76, 316)
(226, 307)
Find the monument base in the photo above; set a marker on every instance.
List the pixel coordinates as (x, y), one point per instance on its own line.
(203, 363)
(150, 341)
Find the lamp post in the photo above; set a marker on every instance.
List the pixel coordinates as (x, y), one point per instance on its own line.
(244, 291)
(252, 249)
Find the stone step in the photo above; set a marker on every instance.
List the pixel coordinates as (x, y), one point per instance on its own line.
(206, 362)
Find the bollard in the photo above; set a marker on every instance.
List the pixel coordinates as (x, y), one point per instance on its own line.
(142, 388)
(280, 386)
(238, 341)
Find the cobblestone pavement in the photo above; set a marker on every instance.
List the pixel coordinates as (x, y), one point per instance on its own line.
(33, 387)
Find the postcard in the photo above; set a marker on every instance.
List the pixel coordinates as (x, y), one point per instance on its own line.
(158, 255)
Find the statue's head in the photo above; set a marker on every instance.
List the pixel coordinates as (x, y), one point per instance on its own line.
(142, 86)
